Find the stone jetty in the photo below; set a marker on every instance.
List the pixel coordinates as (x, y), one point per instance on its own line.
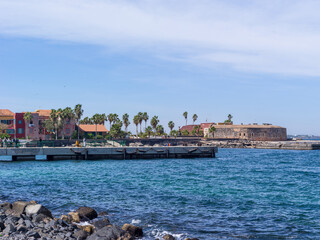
(24, 220)
(285, 145)
(93, 153)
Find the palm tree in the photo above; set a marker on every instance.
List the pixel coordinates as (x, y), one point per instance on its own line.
(140, 114)
(111, 118)
(86, 120)
(171, 125)
(61, 119)
(211, 130)
(48, 126)
(154, 122)
(136, 121)
(185, 114)
(160, 130)
(194, 117)
(27, 118)
(98, 119)
(196, 129)
(69, 115)
(126, 121)
(148, 131)
(3, 127)
(145, 118)
(78, 114)
(229, 119)
(54, 119)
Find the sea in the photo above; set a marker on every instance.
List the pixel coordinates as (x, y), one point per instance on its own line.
(240, 194)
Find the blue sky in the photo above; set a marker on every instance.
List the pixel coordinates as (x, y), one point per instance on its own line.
(258, 61)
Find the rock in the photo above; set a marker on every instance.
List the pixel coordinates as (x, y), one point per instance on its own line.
(80, 235)
(28, 224)
(126, 236)
(103, 213)
(33, 202)
(35, 209)
(2, 226)
(22, 229)
(101, 223)
(87, 228)
(107, 233)
(33, 234)
(41, 218)
(9, 229)
(133, 230)
(66, 218)
(87, 212)
(19, 207)
(74, 217)
(168, 237)
(192, 239)
(5, 206)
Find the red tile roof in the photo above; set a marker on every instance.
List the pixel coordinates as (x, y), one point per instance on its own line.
(92, 128)
(188, 127)
(43, 112)
(206, 125)
(6, 112)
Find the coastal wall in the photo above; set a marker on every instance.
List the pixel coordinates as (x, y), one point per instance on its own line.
(250, 132)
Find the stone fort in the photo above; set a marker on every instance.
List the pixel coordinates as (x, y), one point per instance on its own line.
(248, 132)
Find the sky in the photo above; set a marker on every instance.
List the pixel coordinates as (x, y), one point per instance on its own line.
(257, 60)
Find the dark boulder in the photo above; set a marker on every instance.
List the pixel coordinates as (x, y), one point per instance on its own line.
(133, 230)
(107, 233)
(87, 212)
(80, 235)
(40, 218)
(2, 226)
(101, 223)
(103, 213)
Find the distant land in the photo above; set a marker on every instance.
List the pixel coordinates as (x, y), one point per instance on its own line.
(305, 137)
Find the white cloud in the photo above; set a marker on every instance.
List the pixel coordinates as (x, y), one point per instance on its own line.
(270, 36)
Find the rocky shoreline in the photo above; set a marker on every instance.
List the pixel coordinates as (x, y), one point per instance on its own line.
(30, 220)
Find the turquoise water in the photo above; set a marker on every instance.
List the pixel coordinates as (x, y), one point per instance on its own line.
(241, 194)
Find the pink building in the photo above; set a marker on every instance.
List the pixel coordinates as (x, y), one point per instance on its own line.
(67, 131)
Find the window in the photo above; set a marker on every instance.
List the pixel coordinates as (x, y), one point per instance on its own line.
(19, 121)
(10, 131)
(68, 131)
(30, 130)
(20, 130)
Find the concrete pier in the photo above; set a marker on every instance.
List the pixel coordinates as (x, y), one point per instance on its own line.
(93, 153)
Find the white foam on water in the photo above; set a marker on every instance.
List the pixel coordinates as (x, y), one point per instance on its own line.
(84, 223)
(157, 233)
(135, 221)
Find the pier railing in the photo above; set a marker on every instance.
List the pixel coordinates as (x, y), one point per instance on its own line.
(63, 143)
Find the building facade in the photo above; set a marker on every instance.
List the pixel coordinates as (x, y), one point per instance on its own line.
(252, 132)
(15, 125)
(85, 129)
(7, 122)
